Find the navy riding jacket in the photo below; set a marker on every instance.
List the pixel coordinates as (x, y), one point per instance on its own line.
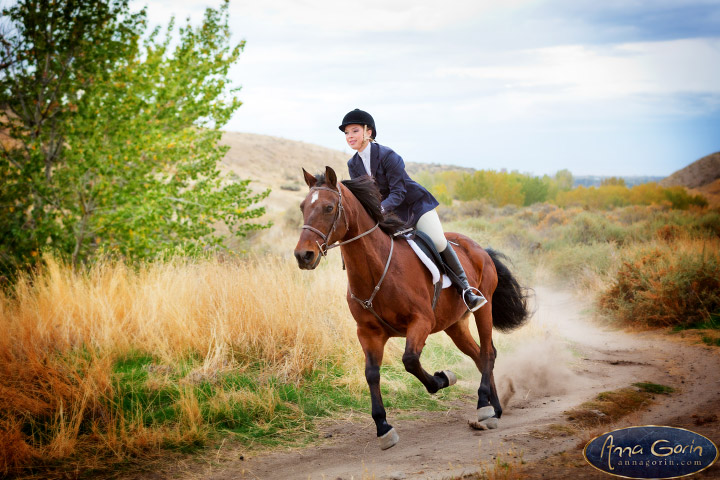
(401, 195)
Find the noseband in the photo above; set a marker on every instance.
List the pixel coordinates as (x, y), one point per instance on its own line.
(324, 247)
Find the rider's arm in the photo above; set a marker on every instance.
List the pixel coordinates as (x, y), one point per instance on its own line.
(395, 172)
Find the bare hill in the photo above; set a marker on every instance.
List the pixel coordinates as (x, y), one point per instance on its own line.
(698, 174)
(275, 163)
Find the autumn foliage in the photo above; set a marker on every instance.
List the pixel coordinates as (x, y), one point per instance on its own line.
(673, 284)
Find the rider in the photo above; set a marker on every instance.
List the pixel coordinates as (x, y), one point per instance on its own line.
(401, 195)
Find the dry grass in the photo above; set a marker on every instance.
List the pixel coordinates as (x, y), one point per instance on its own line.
(63, 332)
(506, 464)
(661, 284)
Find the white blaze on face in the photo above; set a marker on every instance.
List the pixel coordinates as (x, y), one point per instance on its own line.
(314, 197)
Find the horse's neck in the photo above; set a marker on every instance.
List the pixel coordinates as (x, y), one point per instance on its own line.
(366, 255)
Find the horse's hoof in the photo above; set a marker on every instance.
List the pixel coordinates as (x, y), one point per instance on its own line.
(389, 439)
(490, 423)
(451, 377)
(484, 423)
(485, 412)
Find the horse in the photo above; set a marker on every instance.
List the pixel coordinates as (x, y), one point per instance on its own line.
(390, 290)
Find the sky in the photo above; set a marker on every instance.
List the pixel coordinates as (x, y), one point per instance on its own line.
(611, 87)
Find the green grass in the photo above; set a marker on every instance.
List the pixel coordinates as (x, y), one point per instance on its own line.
(713, 342)
(135, 399)
(256, 408)
(650, 387)
(712, 324)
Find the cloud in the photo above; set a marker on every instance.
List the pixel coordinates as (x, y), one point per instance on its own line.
(570, 74)
(369, 15)
(485, 83)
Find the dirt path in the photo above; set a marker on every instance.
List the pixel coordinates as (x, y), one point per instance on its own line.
(569, 363)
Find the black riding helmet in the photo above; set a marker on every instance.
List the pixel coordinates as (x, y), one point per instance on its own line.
(359, 117)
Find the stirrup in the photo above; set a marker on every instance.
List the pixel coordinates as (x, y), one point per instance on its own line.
(479, 294)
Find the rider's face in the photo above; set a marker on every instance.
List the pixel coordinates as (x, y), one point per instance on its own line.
(355, 136)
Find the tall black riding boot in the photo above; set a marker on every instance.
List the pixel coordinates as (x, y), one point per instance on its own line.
(458, 277)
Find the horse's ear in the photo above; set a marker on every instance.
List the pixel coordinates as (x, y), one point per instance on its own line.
(309, 179)
(330, 177)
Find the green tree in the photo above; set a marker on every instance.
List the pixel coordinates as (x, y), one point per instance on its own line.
(500, 188)
(534, 189)
(473, 186)
(113, 134)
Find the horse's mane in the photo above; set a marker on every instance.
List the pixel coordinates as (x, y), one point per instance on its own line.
(366, 191)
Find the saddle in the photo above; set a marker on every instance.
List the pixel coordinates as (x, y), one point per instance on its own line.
(426, 245)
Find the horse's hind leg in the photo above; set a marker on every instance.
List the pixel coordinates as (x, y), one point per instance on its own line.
(417, 333)
(488, 401)
(489, 409)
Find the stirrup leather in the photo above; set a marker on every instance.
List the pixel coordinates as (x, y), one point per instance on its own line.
(478, 294)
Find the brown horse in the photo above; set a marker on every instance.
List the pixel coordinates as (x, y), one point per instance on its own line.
(390, 291)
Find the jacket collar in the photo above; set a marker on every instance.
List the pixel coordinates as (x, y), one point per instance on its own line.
(374, 158)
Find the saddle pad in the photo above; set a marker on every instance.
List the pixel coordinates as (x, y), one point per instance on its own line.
(434, 271)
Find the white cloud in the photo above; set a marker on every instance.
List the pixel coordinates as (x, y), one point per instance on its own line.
(590, 73)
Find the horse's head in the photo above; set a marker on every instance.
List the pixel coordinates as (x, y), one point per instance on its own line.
(322, 226)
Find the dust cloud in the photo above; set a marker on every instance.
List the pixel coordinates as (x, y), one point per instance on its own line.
(539, 362)
(534, 370)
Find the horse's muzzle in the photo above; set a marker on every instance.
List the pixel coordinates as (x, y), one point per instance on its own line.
(305, 259)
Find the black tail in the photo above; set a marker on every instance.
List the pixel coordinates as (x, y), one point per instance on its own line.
(509, 302)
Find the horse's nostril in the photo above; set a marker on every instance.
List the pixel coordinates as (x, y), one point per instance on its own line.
(304, 257)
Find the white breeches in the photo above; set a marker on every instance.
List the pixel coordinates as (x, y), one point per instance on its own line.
(430, 225)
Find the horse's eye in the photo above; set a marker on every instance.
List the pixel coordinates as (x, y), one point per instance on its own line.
(328, 209)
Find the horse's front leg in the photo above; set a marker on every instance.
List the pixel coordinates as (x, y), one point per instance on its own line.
(373, 344)
(417, 333)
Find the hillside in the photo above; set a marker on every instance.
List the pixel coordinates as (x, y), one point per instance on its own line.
(700, 177)
(275, 163)
(698, 174)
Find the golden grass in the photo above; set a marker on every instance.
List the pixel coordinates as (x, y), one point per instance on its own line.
(261, 310)
(63, 331)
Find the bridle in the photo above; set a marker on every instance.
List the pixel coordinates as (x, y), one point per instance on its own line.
(340, 212)
(324, 247)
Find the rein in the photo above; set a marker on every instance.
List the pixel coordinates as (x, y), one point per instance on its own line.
(324, 247)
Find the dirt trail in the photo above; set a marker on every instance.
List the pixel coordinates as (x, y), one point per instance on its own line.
(572, 362)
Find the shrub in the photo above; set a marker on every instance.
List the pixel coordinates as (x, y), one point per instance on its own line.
(667, 285)
(554, 218)
(588, 228)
